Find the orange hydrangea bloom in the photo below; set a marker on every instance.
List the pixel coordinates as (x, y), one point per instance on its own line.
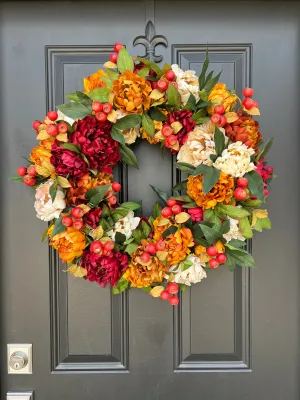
(178, 245)
(159, 229)
(157, 137)
(69, 244)
(40, 156)
(220, 95)
(222, 192)
(246, 130)
(140, 274)
(131, 93)
(76, 193)
(94, 81)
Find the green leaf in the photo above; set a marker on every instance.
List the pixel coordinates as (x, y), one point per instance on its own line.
(156, 210)
(225, 227)
(99, 190)
(45, 233)
(211, 177)
(172, 229)
(143, 72)
(241, 257)
(201, 169)
(266, 149)
(131, 205)
(137, 234)
(184, 197)
(146, 229)
(191, 103)
(203, 95)
(230, 262)
(237, 243)
(266, 223)
(100, 94)
(53, 191)
(112, 74)
(251, 203)
(166, 67)
(211, 234)
(128, 122)
(120, 238)
(153, 66)
(131, 247)
(85, 100)
(183, 287)
(192, 204)
(211, 216)
(245, 228)
(157, 115)
(16, 178)
(146, 289)
(162, 195)
(208, 78)
(58, 227)
(219, 140)
(72, 96)
(257, 226)
(174, 98)
(185, 167)
(121, 285)
(74, 110)
(232, 211)
(186, 264)
(125, 61)
(211, 83)
(127, 155)
(148, 125)
(117, 135)
(70, 146)
(255, 184)
(180, 186)
(203, 71)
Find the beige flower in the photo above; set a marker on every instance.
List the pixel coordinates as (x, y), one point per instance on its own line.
(187, 82)
(235, 160)
(189, 274)
(199, 145)
(130, 135)
(234, 232)
(45, 208)
(125, 226)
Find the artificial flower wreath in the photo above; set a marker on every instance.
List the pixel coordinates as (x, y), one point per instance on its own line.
(210, 214)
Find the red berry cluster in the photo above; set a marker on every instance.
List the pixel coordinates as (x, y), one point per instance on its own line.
(100, 248)
(248, 102)
(101, 110)
(241, 193)
(77, 223)
(218, 118)
(173, 208)
(114, 56)
(170, 294)
(163, 83)
(220, 258)
(52, 129)
(28, 174)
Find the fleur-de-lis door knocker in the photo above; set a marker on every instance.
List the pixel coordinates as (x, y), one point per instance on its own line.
(150, 41)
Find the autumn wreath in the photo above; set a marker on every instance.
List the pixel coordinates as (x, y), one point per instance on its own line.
(206, 220)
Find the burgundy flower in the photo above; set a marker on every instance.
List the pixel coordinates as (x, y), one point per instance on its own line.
(67, 162)
(184, 117)
(96, 142)
(92, 217)
(196, 214)
(266, 172)
(104, 269)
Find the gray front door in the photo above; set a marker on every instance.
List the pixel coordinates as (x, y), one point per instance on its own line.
(234, 336)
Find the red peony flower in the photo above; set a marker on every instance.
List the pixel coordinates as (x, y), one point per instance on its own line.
(92, 217)
(104, 269)
(67, 162)
(266, 172)
(196, 214)
(184, 117)
(96, 143)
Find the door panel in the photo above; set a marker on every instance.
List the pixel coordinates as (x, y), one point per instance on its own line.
(234, 336)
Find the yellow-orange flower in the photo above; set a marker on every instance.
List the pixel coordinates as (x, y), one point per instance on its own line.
(178, 245)
(222, 192)
(76, 193)
(158, 228)
(220, 95)
(69, 244)
(200, 251)
(140, 274)
(94, 81)
(157, 137)
(252, 130)
(40, 156)
(131, 93)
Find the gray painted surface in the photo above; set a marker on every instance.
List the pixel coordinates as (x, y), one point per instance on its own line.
(235, 336)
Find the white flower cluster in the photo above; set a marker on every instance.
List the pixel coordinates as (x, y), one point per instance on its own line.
(234, 232)
(193, 274)
(45, 208)
(235, 160)
(187, 82)
(125, 225)
(199, 145)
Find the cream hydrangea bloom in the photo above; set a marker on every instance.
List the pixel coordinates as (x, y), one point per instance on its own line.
(234, 232)
(125, 225)
(199, 145)
(193, 274)
(187, 82)
(46, 209)
(235, 160)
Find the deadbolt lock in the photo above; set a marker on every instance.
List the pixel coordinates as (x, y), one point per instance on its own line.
(18, 360)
